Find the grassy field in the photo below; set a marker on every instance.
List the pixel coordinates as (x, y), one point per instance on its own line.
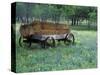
(82, 55)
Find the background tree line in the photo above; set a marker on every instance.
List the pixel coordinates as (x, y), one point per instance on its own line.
(74, 15)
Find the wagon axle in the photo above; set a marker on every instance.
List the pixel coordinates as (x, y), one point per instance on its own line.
(46, 41)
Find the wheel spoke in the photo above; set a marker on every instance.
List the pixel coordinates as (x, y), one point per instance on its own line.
(70, 38)
(23, 42)
(50, 42)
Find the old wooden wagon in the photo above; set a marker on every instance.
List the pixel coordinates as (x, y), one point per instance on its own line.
(45, 33)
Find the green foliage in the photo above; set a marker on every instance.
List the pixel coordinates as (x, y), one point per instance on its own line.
(20, 9)
(93, 16)
(55, 12)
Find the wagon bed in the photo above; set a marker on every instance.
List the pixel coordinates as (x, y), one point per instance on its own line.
(42, 32)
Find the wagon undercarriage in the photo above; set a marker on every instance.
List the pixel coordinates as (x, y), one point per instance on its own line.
(46, 40)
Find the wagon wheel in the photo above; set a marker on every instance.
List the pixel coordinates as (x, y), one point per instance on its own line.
(70, 38)
(50, 42)
(43, 43)
(24, 42)
(53, 42)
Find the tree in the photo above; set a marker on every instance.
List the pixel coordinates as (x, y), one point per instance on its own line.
(43, 12)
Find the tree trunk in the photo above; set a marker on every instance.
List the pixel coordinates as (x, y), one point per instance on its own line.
(88, 24)
(77, 22)
(72, 21)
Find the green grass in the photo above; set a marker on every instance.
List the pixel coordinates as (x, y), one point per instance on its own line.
(82, 55)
